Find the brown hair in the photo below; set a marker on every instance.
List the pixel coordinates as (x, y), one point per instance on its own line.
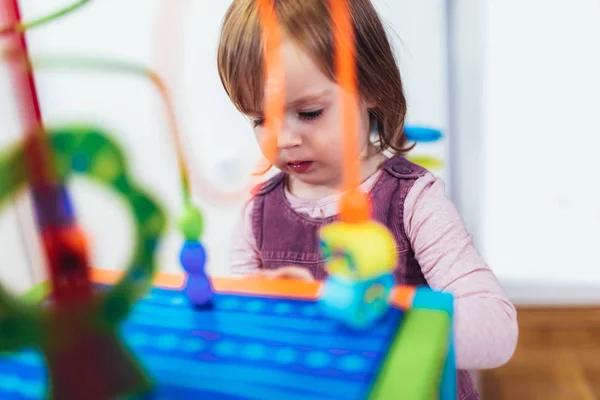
(307, 24)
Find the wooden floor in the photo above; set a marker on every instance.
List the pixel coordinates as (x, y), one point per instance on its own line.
(557, 358)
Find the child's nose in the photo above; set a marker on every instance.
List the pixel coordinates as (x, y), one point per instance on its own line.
(288, 139)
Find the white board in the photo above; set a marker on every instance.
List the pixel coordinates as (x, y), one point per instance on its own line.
(542, 198)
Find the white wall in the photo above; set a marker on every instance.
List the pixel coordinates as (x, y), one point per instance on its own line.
(217, 137)
(468, 54)
(528, 140)
(524, 99)
(419, 34)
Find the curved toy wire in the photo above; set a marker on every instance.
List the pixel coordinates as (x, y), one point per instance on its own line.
(105, 65)
(202, 182)
(354, 204)
(133, 69)
(43, 20)
(346, 75)
(128, 68)
(168, 14)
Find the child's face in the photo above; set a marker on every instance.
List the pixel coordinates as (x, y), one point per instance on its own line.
(310, 143)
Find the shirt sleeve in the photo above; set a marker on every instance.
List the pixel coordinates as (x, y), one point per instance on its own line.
(485, 325)
(244, 254)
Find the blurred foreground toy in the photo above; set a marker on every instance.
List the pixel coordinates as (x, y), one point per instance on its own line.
(77, 331)
(360, 258)
(265, 339)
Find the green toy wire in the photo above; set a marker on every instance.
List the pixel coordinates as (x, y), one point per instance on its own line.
(115, 66)
(130, 68)
(191, 222)
(43, 20)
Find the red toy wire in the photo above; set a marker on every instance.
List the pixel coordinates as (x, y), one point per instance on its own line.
(64, 246)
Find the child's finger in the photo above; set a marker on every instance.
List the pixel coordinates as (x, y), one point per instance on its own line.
(258, 274)
(291, 273)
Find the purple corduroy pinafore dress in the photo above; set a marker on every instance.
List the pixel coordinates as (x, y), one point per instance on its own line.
(285, 237)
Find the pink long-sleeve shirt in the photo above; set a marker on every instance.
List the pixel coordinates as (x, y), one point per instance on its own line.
(485, 327)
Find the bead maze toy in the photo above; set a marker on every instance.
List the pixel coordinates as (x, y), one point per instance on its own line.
(94, 334)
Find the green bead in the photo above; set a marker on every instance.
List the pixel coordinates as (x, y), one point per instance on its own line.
(191, 223)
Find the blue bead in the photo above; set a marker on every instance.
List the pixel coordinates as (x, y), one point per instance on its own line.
(198, 291)
(422, 134)
(193, 257)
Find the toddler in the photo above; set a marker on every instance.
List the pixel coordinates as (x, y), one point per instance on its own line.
(278, 229)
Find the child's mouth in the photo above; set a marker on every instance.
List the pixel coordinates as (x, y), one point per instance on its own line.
(300, 167)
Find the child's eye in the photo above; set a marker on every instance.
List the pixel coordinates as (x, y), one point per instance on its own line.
(258, 122)
(310, 115)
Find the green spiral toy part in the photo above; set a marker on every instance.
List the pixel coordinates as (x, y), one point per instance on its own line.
(88, 152)
(43, 20)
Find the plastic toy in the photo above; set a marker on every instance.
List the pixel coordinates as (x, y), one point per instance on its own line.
(360, 252)
(78, 334)
(360, 261)
(266, 340)
(198, 288)
(260, 338)
(421, 134)
(191, 222)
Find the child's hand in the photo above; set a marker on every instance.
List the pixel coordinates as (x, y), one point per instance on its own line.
(289, 272)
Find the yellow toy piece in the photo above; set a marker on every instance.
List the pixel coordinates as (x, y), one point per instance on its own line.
(358, 251)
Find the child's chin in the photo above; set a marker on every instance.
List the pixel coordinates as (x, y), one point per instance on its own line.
(313, 178)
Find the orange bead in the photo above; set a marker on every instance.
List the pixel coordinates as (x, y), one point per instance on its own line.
(355, 206)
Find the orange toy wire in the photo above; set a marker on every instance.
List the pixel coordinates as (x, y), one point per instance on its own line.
(199, 183)
(346, 75)
(354, 205)
(274, 75)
